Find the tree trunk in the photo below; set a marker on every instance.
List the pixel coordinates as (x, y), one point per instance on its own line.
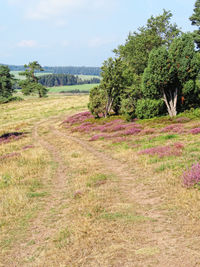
(171, 103)
(108, 106)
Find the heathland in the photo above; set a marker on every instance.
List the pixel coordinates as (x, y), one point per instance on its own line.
(79, 191)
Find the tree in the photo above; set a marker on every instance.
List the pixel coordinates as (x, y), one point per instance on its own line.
(97, 101)
(158, 31)
(30, 85)
(195, 19)
(6, 82)
(112, 83)
(169, 71)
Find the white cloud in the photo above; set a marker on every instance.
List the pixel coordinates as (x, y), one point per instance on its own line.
(65, 43)
(98, 41)
(47, 9)
(27, 43)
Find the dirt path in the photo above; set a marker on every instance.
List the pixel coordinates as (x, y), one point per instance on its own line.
(40, 232)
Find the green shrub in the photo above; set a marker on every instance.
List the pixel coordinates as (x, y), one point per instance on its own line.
(148, 108)
(128, 108)
(4, 100)
(97, 101)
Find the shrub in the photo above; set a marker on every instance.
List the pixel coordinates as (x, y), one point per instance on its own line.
(97, 101)
(128, 108)
(191, 176)
(4, 100)
(148, 108)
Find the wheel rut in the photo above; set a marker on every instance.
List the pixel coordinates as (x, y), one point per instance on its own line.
(40, 232)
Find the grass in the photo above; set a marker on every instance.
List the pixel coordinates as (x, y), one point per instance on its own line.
(88, 77)
(19, 77)
(67, 88)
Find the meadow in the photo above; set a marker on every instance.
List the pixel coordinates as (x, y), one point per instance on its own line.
(19, 77)
(79, 191)
(80, 87)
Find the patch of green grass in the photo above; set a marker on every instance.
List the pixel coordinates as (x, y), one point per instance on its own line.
(88, 77)
(36, 194)
(19, 77)
(164, 166)
(114, 216)
(164, 137)
(75, 155)
(96, 179)
(80, 87)
(5, 180)
(63, 238)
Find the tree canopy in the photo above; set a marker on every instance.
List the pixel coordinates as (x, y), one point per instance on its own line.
(153, 73)
(195, 19)
(6, 83)
(30, 85)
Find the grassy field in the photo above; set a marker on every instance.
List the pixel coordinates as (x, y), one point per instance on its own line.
(81, 87)
(19, 77)
(88, 77)
(83, 77)
(75, 191)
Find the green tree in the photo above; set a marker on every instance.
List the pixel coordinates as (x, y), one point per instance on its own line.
(158, 31)
(30, 85)
(6, 83)
(169, 71)
(112, 83)
(97, 101)
(195, 19)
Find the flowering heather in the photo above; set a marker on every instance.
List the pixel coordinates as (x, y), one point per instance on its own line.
(173, 128)
(195, 131)
(163, 151)
(191, 176)
(131, 131)
(84, 127)
(78, 118)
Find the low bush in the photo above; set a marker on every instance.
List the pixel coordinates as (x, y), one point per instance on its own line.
(148, 108)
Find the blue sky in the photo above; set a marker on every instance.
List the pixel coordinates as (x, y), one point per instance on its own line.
(76, 32)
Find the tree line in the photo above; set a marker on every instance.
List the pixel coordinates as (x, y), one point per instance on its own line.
(63, 70)
(52, 80)
(155, 72)
(33, 84)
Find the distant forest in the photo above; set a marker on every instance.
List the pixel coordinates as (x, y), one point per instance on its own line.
(64, 79)
(63, 70)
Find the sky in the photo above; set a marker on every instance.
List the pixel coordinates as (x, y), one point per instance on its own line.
(76, 32)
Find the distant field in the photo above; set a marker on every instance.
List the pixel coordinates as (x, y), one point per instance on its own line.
(88, 77)
(83, 77)
(81, 87)
(19, 77)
